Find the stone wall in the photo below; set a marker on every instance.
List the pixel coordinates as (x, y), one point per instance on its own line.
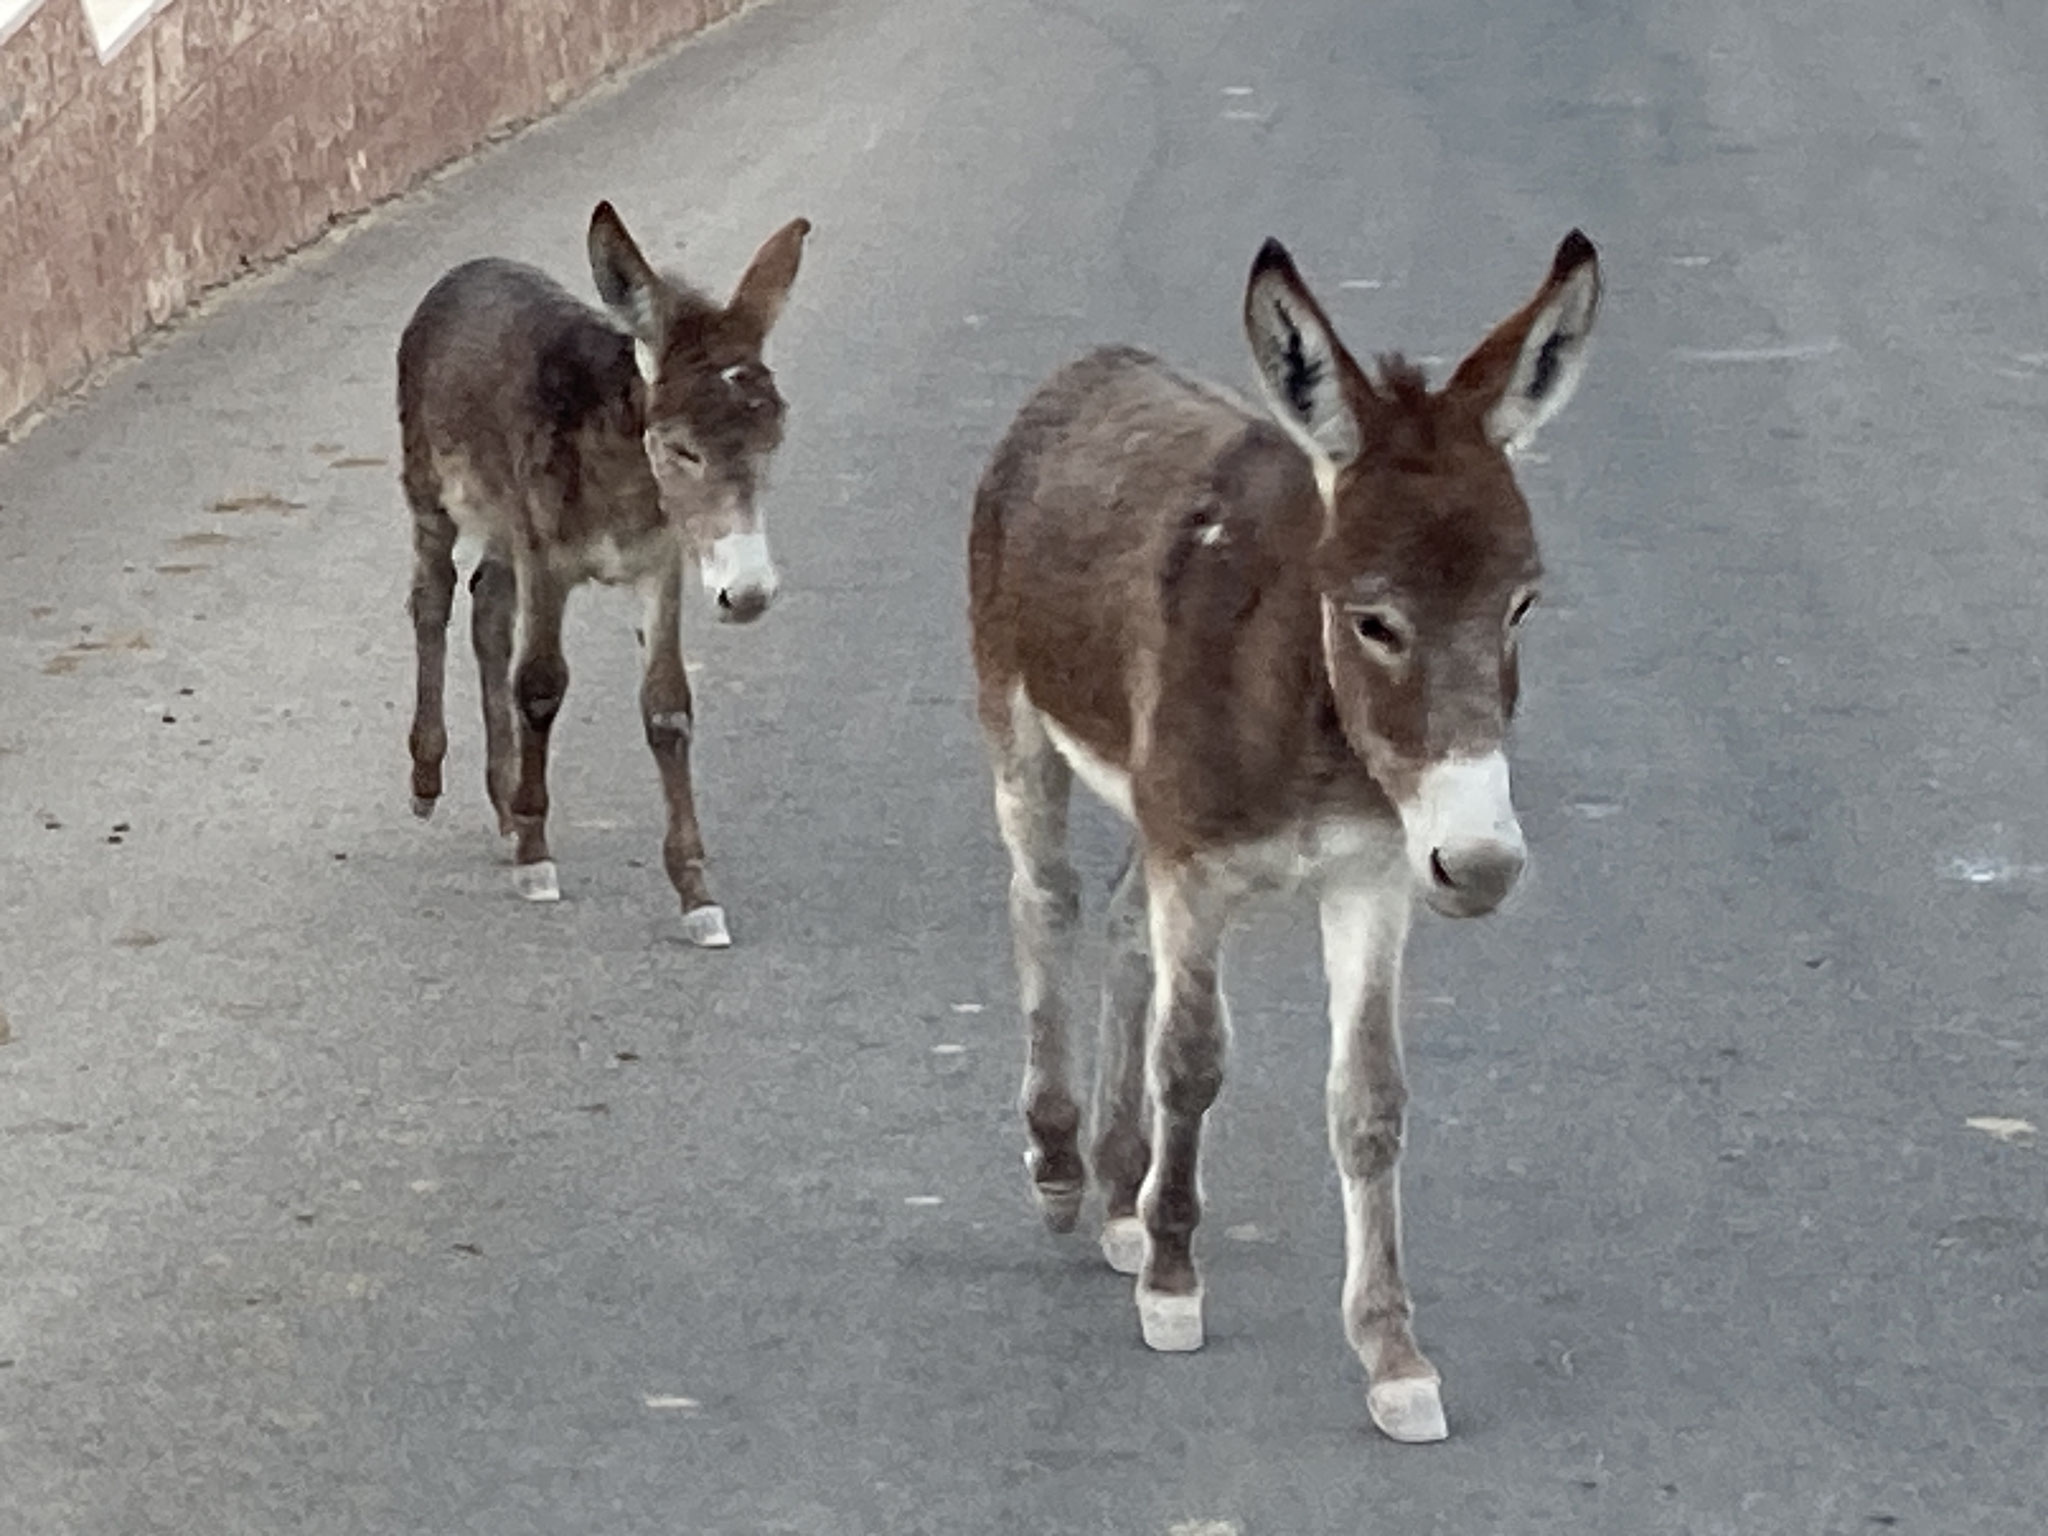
(153, 148)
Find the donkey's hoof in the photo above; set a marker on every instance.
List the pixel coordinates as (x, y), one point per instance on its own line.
(1059, 1204)
(1170, 1323)
(1123, 1244)
(705, 927)
(1410, 1410)
(423, 805)
(537, 881)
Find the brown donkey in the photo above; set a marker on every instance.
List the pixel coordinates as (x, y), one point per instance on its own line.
(579, 450)
(1283, 647)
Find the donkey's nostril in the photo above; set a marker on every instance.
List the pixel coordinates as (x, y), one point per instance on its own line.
(1436, 868)
(725, 601)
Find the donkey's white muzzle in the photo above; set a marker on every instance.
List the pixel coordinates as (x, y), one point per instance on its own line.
(739, 577)
(1465, 844)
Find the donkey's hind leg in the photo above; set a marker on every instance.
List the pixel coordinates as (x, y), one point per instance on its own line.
(1033, 784)
(1123, 1145)
(431, 601)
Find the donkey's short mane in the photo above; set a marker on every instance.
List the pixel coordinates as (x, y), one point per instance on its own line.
(1408, 426)
(1402, 382)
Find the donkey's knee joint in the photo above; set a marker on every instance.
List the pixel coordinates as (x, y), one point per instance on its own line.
(539, 689)
(539, 710)
(1051, 896)
(1367, 1145)
(1190, 1093)
(430, 605)
(670, 728)
(1187, 1067)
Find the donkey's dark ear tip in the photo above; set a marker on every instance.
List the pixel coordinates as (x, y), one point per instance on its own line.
(1573, 252)
(803, 228)
(603, 213)
(1272, 257)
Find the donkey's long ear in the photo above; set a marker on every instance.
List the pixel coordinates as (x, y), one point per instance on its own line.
(757, 301)
(1523, 373)
(625, 281)
(1311, 383)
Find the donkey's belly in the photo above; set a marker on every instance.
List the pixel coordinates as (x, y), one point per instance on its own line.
(1110, 785)
(1302, 855)
(614, 561)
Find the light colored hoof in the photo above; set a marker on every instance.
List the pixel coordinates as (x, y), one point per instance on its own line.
(537, 882)
(1410, 1410)
(1123, 1244)
(1172, 1324)
(705, 927)
(423, 806)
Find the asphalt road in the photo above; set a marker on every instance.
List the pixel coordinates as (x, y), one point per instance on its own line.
(341, 1192)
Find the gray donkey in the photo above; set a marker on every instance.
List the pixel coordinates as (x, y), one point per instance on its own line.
(577, 449)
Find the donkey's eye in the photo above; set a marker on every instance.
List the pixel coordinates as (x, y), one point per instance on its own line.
(1376, 630)
(1521, 609)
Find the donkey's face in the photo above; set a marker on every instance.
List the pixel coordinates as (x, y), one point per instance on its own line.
(713, 415)
(1427, 565)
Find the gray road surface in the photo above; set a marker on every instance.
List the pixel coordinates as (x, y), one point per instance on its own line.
(342, 1193)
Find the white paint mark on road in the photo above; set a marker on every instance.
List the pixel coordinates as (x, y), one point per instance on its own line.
(1690, 261)
(1248, 1233)
(425, 1186)
(949, 1048)
(1243, 115)
(923, 1200)
(1792, 352)
(1237, 90)
(967, 1007)
(1985, 869)
(2013, 1132)
(663, 1400)
(1205, 1528)
(1595, 810)
(1364, 283)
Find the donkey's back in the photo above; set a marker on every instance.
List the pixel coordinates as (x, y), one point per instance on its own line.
(506, 380)
(1116, 474)
(1137, 547)
(1116, 450)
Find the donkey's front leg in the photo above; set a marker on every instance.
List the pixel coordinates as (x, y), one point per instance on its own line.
(1365, 928)
(493, 622)
(539, 682)
(1189, 1027)
(665, 712)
